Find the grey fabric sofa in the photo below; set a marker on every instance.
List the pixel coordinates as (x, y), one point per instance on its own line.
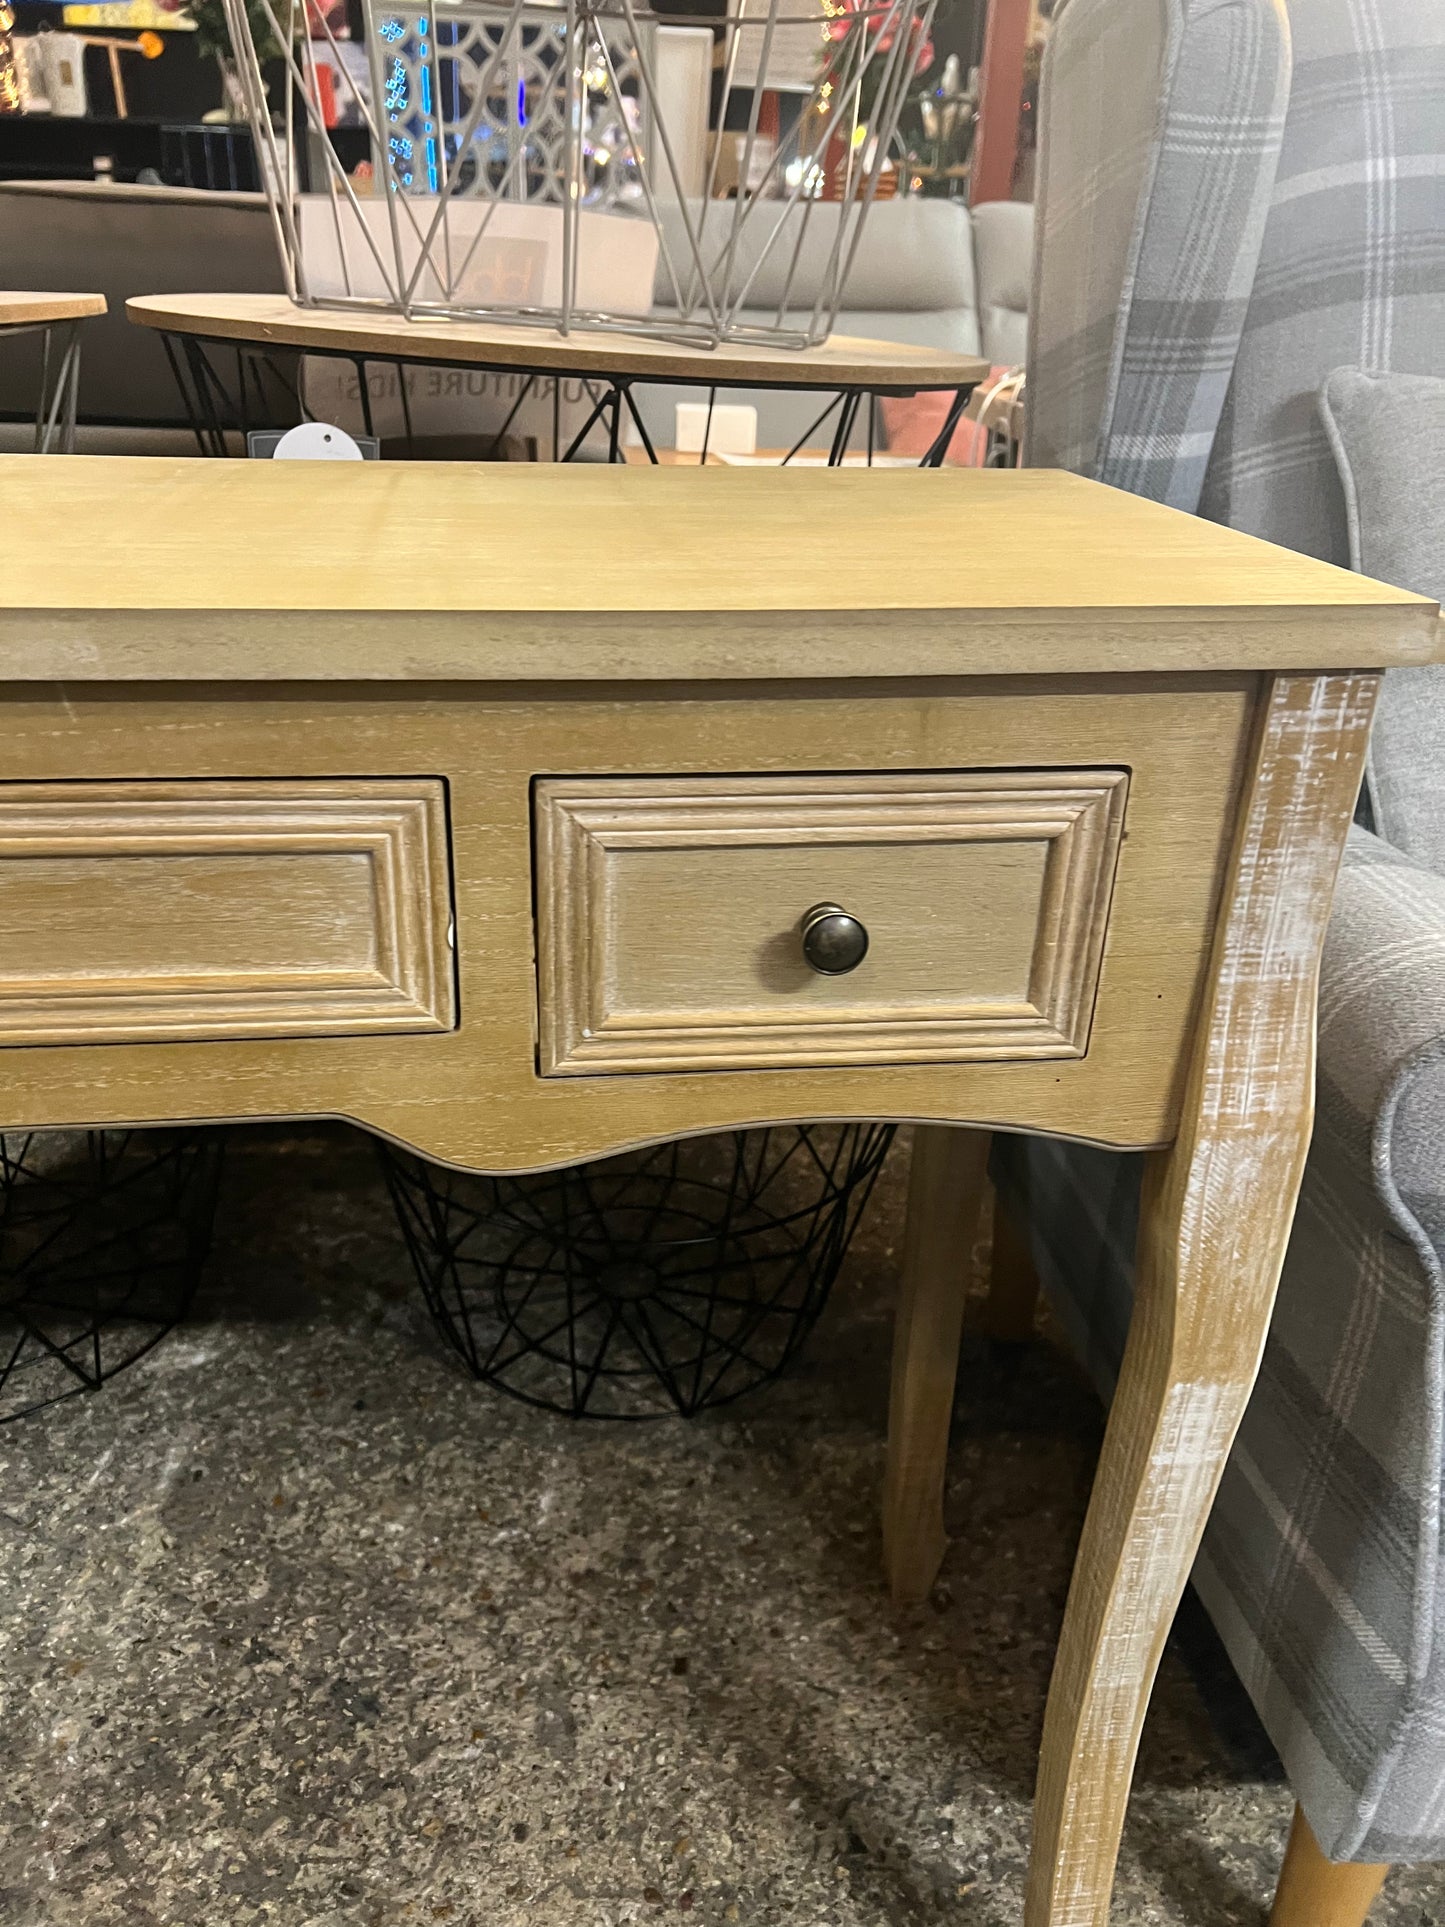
(1322, 1566)
(930, 272)
(934, 273)
(122, 241)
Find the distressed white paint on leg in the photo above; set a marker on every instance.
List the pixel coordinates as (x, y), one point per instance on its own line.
(1195, 1429)
(1212, 1241)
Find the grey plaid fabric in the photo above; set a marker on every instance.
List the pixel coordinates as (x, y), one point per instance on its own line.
(1322, 1564)
(1386, 432)
(1150, 207)
(1352, 265)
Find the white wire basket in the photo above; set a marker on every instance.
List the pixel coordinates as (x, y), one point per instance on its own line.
(553, 164)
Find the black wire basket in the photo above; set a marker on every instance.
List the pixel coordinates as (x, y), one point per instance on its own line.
(102, 1239)
(656, 1282)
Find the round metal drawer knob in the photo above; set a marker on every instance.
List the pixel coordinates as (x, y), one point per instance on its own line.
(833, 942)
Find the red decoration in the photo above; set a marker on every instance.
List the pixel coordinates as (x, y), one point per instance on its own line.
(881, 22)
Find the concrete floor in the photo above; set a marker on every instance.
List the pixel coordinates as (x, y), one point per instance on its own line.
(299, 1626)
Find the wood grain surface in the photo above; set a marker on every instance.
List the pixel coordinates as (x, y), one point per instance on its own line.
(22, 308)
(232, 571)
(1315, 1892)
(1214, 1224)
(473, 1095)
(153, 910)
(843, 361)
(668, 917)
(947, 1189)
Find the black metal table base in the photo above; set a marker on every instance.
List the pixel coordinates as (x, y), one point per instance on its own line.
(58, 389)
(229, 387)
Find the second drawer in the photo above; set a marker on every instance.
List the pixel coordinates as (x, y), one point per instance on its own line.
(714, 923)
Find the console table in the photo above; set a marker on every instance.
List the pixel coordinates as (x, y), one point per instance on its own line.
(522, 814)
(844, 373)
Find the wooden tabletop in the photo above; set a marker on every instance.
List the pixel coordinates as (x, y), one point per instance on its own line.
(24, 308)
(135, 566)
(117, 191)
(841, 362)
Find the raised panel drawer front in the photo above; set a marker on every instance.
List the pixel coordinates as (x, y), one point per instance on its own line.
(207, 909)
(672, 911)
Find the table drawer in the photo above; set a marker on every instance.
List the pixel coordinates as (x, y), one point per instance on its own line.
(206, 909)
(672, 916)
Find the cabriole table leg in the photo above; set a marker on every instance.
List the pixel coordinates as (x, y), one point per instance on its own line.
(1216, 1217)
(947, 1184)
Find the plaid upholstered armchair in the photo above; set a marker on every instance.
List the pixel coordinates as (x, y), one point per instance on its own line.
(1236, 199)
